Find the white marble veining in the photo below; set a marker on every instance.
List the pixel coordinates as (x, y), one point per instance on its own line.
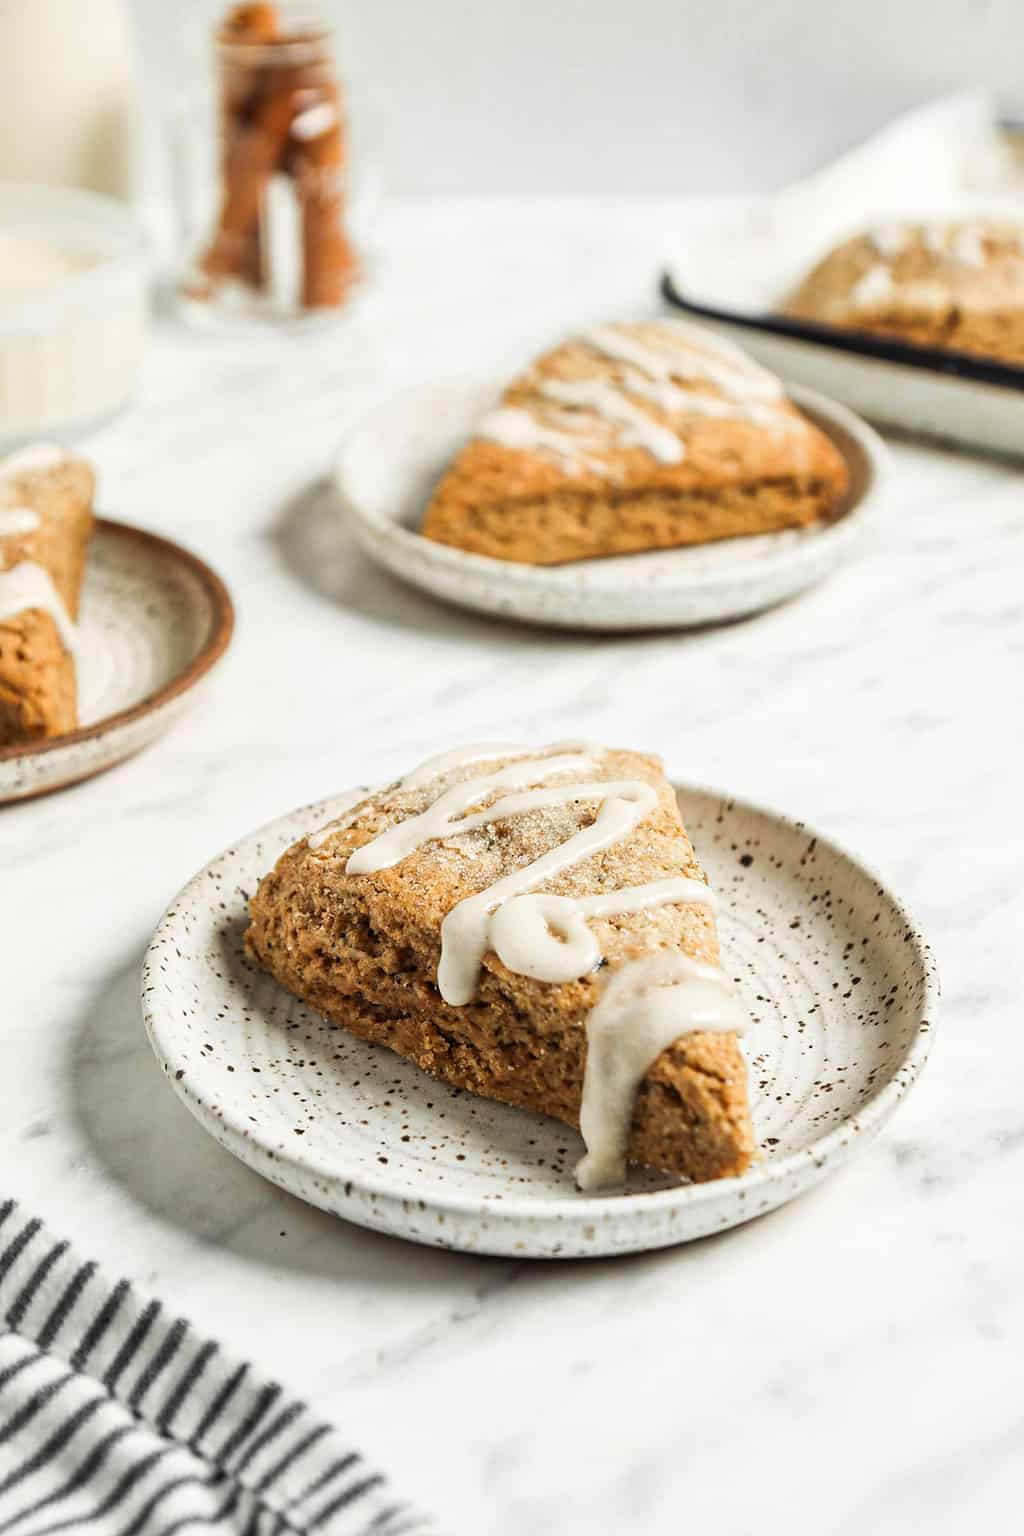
(848, 1365)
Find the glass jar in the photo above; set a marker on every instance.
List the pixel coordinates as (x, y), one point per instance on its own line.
(68, 94)
(262, 171)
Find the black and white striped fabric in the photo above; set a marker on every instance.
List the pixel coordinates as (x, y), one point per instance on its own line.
(118, 1419)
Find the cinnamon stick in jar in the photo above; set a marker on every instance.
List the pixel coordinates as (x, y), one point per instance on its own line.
(317, 162)
(281, 114)
(256, 118)
(240, 85)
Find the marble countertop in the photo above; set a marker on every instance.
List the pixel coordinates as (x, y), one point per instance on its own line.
(848, 1365)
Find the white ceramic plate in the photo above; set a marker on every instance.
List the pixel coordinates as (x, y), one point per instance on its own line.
(153, 621)
(388, 464)
(841, 990)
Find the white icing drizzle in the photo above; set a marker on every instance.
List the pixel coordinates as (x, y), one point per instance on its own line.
(523, 938)
(546, 936)
(15, 520)
(466, 931)
(890, 240)
(27, 585)
(514, 427)
(648, 1003)
(438, 767)
(963, 246)
(967, 248)
(671, 398)
(466, 756)
(593, 413)
(446, 817)
(875, 287)
(35, 456)
(314, 122)
(631, 424)
(661, 361)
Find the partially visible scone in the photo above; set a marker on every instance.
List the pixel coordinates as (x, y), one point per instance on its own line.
(46, 521)
(425, 948)
(635, 437)
(956, 286)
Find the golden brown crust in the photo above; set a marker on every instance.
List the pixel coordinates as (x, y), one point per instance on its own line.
(760, 467)
(38, 695)
(363, 950)
(957, 286)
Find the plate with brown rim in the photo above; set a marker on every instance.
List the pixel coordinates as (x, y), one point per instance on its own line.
(153, 621)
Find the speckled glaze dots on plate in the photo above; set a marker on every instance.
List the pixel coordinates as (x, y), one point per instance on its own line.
(153, 620)
(839, 982)
(389, 462)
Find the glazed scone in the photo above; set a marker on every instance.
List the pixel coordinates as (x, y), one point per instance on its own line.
(955, 286)
(635, 437)
(46, 522)
(531, 925)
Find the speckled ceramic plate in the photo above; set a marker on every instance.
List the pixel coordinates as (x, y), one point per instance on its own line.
(153, 621)
(841, 990)
(389, 462)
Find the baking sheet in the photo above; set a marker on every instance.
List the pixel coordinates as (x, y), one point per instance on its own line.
(950, 159)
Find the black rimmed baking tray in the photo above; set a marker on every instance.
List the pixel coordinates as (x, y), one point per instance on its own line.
(953, 396)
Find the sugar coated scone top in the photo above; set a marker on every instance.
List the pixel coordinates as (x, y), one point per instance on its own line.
(954, 285)
(529, 868)
(630, 437)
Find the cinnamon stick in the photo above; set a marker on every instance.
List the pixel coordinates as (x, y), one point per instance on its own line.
(240, 85)
(280, 110)
(317, 162)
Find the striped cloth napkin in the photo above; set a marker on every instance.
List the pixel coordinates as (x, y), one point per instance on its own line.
(118, 1417)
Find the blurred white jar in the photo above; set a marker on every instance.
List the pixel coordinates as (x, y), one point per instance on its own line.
(73, 309)
(67, 94)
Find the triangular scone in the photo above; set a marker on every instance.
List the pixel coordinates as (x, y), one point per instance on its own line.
(635, 437)
(365, 948)
(951, 285)
(46, 522)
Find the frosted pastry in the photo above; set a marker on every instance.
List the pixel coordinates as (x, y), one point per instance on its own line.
(46, 522)
(957, 286)
(531, 925)
(635, 437)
